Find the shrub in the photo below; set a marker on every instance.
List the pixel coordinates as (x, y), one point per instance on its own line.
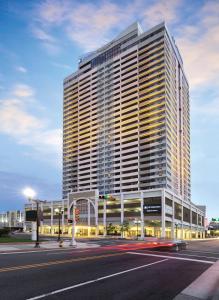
(4, 231)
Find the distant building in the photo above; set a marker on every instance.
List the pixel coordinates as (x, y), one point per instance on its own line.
(12, 219)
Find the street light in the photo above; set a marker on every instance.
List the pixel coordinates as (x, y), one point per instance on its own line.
(59, 211)
(30, 194)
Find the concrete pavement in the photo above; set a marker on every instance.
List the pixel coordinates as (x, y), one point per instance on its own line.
(9, 247)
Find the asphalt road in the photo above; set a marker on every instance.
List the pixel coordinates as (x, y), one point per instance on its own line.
(113, 271)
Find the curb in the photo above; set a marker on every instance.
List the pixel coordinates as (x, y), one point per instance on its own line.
(205, 287)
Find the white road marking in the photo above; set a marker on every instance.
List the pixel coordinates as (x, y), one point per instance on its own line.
(173, 257)
(203, 251)
(79, 251)
(213, 257)
(95, 280)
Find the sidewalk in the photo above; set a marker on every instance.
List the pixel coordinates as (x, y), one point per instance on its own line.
(13, 247)
(205, 287)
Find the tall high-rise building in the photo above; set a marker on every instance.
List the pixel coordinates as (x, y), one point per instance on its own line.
(127, 134)
(126, 117)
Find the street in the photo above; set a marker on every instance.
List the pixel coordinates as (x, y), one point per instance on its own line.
(116, 270)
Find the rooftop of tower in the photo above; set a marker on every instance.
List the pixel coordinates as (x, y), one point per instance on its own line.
(127, 38)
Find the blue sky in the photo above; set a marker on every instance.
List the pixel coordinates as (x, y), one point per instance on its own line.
(40, 43)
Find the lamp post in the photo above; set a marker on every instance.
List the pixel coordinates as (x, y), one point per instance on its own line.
(30, 194)
(59, 211)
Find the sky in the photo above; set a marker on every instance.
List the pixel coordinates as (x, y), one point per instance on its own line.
(40, 44)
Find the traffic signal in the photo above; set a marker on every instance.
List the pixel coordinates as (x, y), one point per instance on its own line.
(106, 197)
(77, 214)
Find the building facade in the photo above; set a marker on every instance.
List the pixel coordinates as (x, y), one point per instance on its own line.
(12, 219)
(126, 132)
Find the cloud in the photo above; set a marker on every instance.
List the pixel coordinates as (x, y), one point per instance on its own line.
(21, 69)
(22, 90)
(53, 11)
(91, 25)
(199, 45)
(163, 10)
(15, 121)
(43, 36)
(47, 40)
(19, 123)
(63, 66)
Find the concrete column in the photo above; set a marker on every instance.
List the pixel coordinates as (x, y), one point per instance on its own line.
(172, 229)
(142, 216)
(88, 213)
(173, 223)
(163, 217)
(104, 217)
(51, 221)
(96, 211)
(122, 212)
(182, 231)
(88, 217)
(190, 221)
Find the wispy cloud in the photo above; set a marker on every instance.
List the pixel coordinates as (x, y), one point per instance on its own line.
(20, 123)
(22, 90)
(63, 66)
(199, 44)
(160, 11)
(47, 40)
(91, 25)
(21, 69)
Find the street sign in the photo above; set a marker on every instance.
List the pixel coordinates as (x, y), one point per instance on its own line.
(215, 219)
(31, 215)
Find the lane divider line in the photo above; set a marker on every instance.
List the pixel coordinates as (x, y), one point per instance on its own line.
(173, 257)
(95, 280)
(57, 262)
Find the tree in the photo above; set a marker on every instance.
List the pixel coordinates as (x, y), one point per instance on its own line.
(110, 228)
(125, 227)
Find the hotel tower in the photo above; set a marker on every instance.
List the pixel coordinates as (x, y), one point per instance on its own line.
(126, 133)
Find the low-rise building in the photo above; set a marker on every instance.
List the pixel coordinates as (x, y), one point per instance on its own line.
(157, 213)
(12, 219)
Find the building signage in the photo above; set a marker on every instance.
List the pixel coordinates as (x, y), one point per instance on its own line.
(152, 209)
(31, 215)
(215, 219)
